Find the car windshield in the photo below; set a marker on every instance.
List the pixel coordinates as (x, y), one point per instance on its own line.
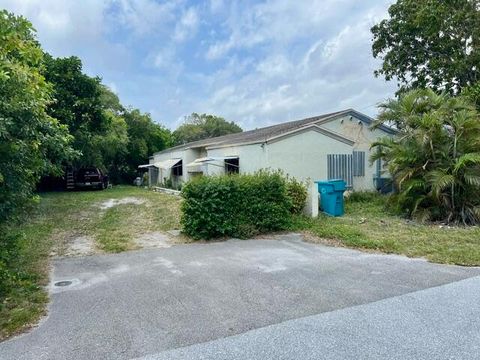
(84, 172)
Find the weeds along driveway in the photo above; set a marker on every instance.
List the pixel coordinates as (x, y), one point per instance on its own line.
(137, 303)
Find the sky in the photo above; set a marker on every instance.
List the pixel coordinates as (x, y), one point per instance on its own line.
(253, 62)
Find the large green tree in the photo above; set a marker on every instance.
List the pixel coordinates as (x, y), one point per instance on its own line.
(83, 104)
(203, 126)
(107, 134)
(32, 142)
(430, 43)
(435, 159)
(145, 138)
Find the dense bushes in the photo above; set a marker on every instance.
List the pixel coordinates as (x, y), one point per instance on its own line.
(435, 159)
(239, 205)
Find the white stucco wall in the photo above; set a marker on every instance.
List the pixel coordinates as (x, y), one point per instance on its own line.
(187, 156)
(353, 128)
(251, 158)
(302, 155)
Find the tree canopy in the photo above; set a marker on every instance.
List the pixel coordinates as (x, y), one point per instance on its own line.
(32, 142)
(107, 135)
(427, 43)
(203, 126)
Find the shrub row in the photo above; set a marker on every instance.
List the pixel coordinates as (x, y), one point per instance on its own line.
(240, 205)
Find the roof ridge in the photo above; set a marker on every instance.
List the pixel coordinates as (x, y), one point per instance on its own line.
(263, 132)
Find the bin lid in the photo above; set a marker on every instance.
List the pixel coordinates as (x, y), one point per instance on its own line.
(323, 182)
(337, 184)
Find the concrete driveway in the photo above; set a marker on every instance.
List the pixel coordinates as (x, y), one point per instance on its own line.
(205, 297)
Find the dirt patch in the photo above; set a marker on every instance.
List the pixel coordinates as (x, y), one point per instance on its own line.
(81, 245)
(154, 239)
(107, 204)
(74, 245)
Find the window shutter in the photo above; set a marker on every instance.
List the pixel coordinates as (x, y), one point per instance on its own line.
(359, 163)
(340, 166)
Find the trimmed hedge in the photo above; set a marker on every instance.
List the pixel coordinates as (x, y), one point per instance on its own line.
(236, 205)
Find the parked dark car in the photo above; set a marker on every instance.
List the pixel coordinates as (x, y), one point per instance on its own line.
(91, 177)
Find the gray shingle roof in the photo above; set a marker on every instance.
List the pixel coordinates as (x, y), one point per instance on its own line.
(263, 134)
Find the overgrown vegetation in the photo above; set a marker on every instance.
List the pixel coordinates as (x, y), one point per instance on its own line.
(435, 159)
(239, 205)
(59, 219)
(32, 143)
(370, 224)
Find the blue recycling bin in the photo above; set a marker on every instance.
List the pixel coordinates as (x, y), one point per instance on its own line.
(331, 196)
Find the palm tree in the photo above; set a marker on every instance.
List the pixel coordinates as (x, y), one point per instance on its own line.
(435, 159)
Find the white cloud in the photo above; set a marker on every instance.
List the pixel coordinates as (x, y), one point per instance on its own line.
(279, 21)
(274, 60)
(219, 49)
(145, 16)
(274, 66)
(187, 26)
(330, 71)
(164, 58)
(62, 23)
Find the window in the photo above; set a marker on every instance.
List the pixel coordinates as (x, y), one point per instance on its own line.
(177, 170)
(232, 166)
(359, 163)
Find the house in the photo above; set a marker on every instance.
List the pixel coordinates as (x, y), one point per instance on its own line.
(335, 145)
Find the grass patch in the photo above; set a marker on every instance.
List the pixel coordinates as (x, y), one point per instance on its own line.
(61, 215)
(367, 224)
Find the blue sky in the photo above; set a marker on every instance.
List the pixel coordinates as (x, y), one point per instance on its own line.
(254, 62)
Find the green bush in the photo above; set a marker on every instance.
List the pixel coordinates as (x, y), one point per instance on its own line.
(235, 205)
(297, 192)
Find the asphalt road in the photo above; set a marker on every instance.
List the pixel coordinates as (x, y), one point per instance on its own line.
(437, 323)
(188, 301)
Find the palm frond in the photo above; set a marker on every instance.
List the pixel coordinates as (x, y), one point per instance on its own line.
(473, 180)
(439, 180)
(465, 160)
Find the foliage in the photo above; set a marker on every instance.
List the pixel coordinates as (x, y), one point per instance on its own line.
(145, 138)
(297, 192)
(428, 43)
(31, 142)
(108, 135)
(99, 132)
(198, 127)
(435, 159)
(235, 205)
(472, 93)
